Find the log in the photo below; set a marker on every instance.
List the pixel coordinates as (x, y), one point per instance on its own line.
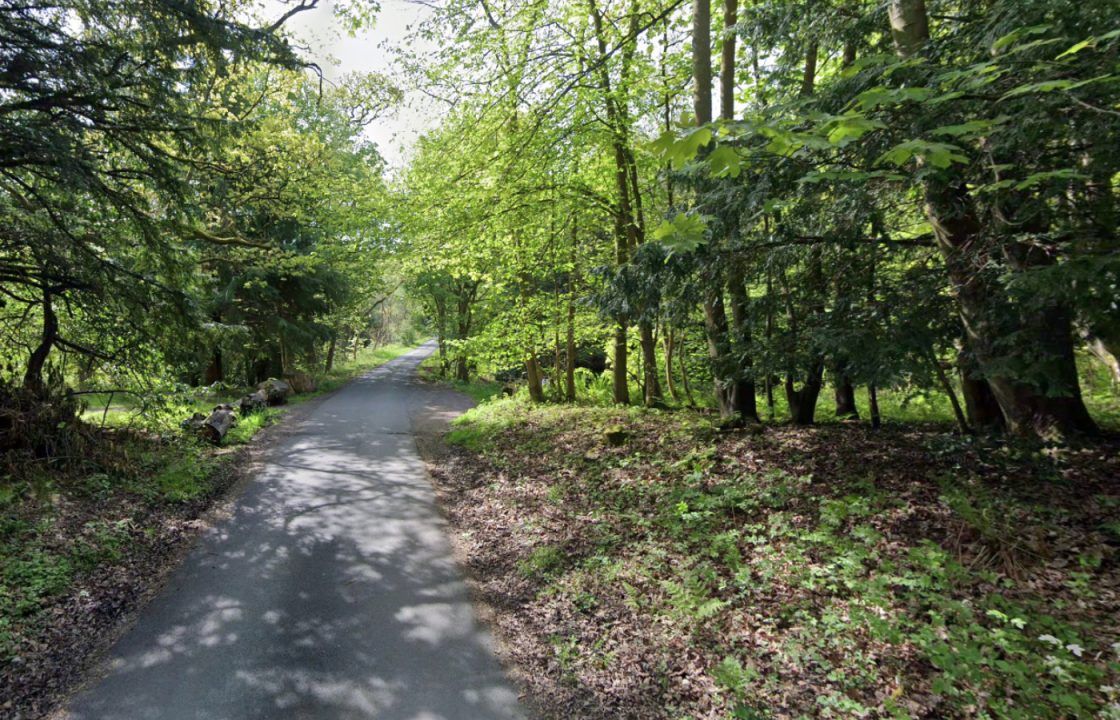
(215, 427)
(276, 391)
(254, 402)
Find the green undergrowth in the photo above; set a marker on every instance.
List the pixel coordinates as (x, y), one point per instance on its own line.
(897, 405)
(59, 527)
(480, 389)
(830, 572)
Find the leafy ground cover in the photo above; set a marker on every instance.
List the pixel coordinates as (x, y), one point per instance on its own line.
(82, 544)
(782, 572)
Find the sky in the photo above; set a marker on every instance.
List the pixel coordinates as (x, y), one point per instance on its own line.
(337, 53)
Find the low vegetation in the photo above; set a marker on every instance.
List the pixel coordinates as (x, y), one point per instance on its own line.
(782, 572)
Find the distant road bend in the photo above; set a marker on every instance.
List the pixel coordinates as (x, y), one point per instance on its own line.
(330, 593)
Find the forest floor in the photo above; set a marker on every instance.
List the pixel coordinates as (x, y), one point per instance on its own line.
(784, 572)
(83, 546)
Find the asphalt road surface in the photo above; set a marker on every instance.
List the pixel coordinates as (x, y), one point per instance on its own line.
(330, 591)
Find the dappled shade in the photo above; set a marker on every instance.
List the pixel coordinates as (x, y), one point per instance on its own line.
(329, 592)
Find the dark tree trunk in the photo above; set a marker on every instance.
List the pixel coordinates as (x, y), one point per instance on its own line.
(873, 406)
(958, 414)
(951, 210)
(533, 373)
(845, 398)
(331, 348)
(620, 381)
(743, 401)
(33, 376)
(650, 383)
(682, 361)
(215, 372)
(803, 402)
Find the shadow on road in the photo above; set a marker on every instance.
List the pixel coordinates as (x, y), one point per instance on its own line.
(331, 591)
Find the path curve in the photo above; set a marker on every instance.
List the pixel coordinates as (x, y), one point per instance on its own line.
(330, 592)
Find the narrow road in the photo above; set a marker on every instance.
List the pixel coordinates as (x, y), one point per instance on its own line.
(329, 593)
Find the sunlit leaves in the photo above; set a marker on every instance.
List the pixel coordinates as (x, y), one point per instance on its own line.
(724, 162)
(683, 233)
(1046, 86)
(850, 127)
(939, 155)
(677, 150)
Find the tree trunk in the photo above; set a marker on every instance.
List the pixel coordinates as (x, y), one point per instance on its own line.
(809, 77)
(981, 407)
(702, 61)
(958, 414)
(215, 427)
(33, 376)
(627, 213)
(743, 401)
(329, 364)
(650, 382)
(909, 25)
(441, 334)
(742, 391)
(715, 316)
(873, 406)
(952, 213)
(803, 402)
(667, 341)
(620, 381)
(533, 372)
(845, 397)
(719, 351)
(727, 61)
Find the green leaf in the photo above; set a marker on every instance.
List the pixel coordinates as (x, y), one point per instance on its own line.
(939, 155)
(724, 162)
(850, 128)
(1077, 47)
(1041, 177)
(1017, 34)
(684, 233)
(972, 128)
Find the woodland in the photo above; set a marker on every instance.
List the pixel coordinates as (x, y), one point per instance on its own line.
(794, 326)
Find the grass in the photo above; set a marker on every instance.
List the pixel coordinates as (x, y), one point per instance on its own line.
(832, 572)
(480, 389)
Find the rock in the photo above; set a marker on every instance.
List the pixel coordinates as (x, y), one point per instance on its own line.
(254, 402)
(276, 391)
(616, 435)
(301, 382)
